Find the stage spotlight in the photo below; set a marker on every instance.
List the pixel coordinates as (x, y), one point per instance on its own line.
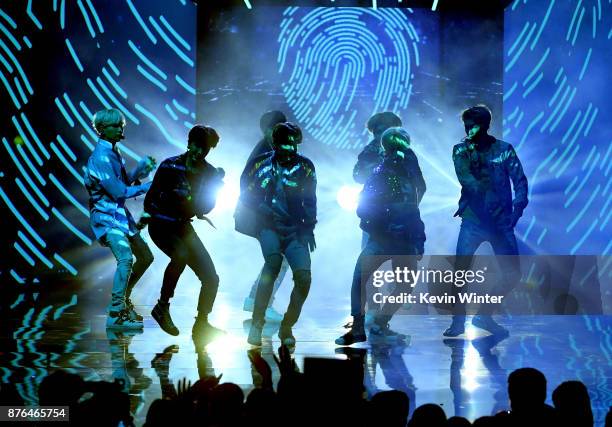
(348, 197)
(228, 197)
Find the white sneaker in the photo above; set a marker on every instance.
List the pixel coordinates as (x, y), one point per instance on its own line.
(249, 304)
(271, 314)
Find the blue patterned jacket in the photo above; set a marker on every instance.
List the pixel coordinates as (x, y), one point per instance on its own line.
(485, 177)
(109, 186)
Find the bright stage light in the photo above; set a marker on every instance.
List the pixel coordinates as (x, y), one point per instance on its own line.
(228, 197)
(348, 197)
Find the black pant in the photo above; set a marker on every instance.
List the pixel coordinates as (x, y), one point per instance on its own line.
(503, 242)
(180, 242)
(273, 247)
(374, 254)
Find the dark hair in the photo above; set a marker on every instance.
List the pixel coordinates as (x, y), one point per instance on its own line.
(380, 122)
(428, 414)
(479, 113)
(283, 132)
(527, 385)
(203, 136)
(571, 399)
(271, 118)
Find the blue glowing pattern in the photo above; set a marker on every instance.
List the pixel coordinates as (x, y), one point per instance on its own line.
(374, 5)
(32, 359)
(99, 54)
(557, 115)
(327, 57)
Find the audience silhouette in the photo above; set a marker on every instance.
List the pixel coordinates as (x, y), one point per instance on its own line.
(527, 393)
(328, 392)
(428, 415)
(573, 405)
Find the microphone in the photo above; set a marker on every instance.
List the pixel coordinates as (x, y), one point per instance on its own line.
(470, 136)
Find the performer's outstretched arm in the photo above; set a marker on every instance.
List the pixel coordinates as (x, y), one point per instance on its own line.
(102, 171)
(142, 169)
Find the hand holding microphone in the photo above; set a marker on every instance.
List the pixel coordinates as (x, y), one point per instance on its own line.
(470, 136)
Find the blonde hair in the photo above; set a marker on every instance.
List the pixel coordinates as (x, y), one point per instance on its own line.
(108, 117)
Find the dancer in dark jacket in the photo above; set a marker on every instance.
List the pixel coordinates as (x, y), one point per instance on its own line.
(278, 206)
(372, 154)
(184, 187)
(266, 123)
(485, 167)
(389, 212)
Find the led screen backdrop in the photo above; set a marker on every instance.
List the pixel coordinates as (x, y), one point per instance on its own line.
(60, 61)
(329, 69)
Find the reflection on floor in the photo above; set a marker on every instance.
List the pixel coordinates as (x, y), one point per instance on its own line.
(467, 376)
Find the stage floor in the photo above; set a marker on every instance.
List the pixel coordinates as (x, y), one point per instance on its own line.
(467, 376)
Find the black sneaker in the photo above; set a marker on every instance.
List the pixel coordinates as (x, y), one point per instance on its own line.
(487, 323)
(201, 328)
(378, 332)
(161, 361)
(286, 336)
(133, 314)
(355, 334)
(351, 337)
(161, 314)
(456, 328)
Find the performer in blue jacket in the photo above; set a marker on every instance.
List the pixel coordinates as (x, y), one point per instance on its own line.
(485, 167)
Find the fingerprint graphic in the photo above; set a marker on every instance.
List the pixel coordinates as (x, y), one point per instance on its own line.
(339, 64)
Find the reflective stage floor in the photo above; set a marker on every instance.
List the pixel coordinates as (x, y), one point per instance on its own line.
(65, 328)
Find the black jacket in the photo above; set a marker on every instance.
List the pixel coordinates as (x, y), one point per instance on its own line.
(177, 195)
(255, 209)
(369, 158)
(262, 147)
(389, 203)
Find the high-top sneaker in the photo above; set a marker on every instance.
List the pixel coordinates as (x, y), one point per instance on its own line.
(456, 328)
(121, 320)
(203, 329)
(356, 333)
(133, 314)
(384, 332)
(161, 314)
